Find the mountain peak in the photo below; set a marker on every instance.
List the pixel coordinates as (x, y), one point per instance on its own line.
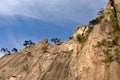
(93, 53)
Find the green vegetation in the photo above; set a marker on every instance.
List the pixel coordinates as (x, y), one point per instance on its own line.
(28, 43)
(81, 38)
(116, 40)
(108, 58)
(106, 43)
(71, 37)
(90, 30)
(113, 19)
(95, 21)
(29, 54)
(14, 50)
(5, 50)
(98, 19)
(114, 22)
(55, 40)
(117, 52)
(25, 68)
(106, 21)
(102, 43)
(108, 52)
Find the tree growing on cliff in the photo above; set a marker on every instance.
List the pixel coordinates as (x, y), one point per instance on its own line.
(31, 43)
(55, 40)
(28, 43)
(25, 43)
(15, 50)
(5, 51)
(98, 19)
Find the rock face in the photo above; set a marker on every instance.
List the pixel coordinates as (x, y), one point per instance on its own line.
(116, 4)
(92, 54)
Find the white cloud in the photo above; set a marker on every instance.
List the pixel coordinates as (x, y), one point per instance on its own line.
(51, 10)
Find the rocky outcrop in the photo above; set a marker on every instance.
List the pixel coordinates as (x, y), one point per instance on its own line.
(82, 30)
(116, 5)
(92, 54)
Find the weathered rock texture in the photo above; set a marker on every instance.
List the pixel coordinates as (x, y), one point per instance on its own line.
(116, 4)
(92, 54)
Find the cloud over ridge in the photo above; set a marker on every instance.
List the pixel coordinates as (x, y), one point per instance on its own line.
(50, 10)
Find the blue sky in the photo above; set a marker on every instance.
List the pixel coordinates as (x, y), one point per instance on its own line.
(38, 19)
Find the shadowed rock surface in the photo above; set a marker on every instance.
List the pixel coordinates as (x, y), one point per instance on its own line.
(92, 54)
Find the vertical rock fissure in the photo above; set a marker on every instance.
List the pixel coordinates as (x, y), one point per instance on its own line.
(115, 10)
(113, 5)
(84, 30)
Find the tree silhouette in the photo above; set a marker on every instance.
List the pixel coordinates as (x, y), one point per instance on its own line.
(71, 37)
(25, 43)
(55, 40)
(5, 50)
(15, 50)
(28, 43)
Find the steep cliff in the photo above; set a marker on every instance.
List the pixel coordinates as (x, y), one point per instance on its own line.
(92, 54)
(116, 5)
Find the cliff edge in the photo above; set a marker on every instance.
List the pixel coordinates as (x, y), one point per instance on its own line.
(93, 53)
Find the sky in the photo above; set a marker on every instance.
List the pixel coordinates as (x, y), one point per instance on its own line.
(35, 20)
